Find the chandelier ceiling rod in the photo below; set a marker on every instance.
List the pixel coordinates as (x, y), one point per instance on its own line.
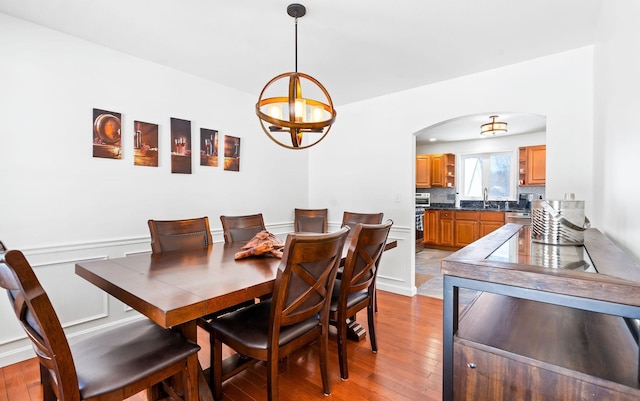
(296, 11)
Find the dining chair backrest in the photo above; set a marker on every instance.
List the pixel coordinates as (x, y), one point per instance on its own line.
(351, 219)
(115, 364)
(311, 220)
(39, 320)
(241, 228)
(169, 235)
(363, 258)
(305, 278)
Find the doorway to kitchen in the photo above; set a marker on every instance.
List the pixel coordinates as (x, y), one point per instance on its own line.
(443, 151)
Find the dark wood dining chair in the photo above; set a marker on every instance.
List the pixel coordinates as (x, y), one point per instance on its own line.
(311, 220)
(351, 219)
(241, 228)
(355, 290)
(296, 315)
(169, 235)
(112, 365)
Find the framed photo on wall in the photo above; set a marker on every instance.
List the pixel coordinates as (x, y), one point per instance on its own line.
(180, 146)
(208, 147)
(231, 153)
(106, 134)
(145, 144)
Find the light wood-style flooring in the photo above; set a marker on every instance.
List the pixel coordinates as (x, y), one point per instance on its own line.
(408, 365)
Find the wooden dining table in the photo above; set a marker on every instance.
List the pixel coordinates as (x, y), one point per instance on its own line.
(176, 288)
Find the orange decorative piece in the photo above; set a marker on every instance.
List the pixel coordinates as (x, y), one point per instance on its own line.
(262, 243)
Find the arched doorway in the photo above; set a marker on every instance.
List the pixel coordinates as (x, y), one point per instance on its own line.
(460, 137)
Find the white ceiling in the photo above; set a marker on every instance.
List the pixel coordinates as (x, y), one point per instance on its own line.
(358, 49)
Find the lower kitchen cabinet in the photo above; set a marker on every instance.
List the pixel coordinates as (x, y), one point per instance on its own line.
(451, 229)
(431, 227)
(447, 228)
(466, 227)
(490, 221)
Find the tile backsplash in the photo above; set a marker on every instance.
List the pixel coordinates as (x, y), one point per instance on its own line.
(448, 195)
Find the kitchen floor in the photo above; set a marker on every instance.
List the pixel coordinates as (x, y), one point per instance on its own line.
(428, 277)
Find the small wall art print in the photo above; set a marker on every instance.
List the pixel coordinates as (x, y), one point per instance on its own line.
(180, 146)
(145, 144)
(106, 134)
(208, 147)
(231, 153)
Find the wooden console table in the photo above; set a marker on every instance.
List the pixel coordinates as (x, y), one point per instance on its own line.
(542, 327)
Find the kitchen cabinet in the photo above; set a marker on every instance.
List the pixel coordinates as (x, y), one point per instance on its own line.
(532, 165)
(490, 221)
(447, 228)
(537, 333)
(423, 171)
(451, 229)
(438, 228)
(443, 170)
(431, 225)
(466, 227)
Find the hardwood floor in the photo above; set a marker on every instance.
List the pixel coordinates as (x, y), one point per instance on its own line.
(408, 365)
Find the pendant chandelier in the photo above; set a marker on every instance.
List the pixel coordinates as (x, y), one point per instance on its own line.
(493, 128)
(294, 121)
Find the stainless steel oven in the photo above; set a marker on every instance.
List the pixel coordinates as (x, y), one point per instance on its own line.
(423, 199)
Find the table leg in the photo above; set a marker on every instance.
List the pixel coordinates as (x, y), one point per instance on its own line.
(355, 331)
(198, 381)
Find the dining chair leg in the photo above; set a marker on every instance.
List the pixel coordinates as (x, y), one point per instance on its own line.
(372, 326)
(324, 361)
(342, 348)
(272, 379)
(47, 386)
(215, 372)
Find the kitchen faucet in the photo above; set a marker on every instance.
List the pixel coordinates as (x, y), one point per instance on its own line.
(485, 197)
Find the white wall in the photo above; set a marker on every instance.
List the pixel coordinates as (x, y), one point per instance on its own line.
(50, 84)
(60, 205)
(370, 164)
(617, 132)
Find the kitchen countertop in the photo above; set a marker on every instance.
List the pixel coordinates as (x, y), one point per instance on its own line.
(491, 208)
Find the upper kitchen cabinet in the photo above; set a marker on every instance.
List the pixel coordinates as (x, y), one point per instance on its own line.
(443, 170)
(533, 165)
(423, 171)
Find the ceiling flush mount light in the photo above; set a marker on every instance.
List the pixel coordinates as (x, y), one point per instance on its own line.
(294, 121)
(493, 128)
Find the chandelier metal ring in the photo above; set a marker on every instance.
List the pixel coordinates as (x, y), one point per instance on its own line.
(294, 125)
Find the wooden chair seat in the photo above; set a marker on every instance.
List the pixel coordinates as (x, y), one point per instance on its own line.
(248, 327)
(352, 299)
(105, 366)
